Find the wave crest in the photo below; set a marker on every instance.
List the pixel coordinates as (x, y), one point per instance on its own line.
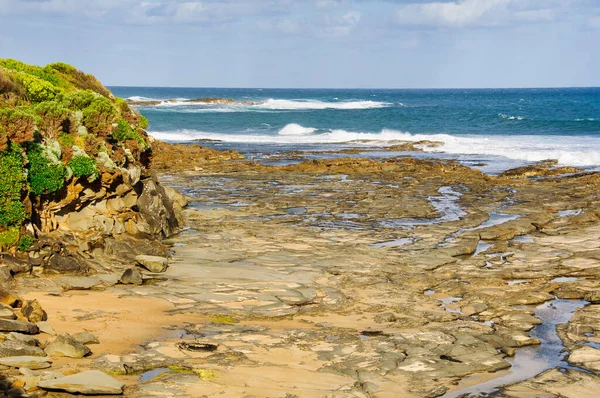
(585, 151)
(280, 104)
(296, 129)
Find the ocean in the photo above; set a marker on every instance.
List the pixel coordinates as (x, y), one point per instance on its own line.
(491, 129)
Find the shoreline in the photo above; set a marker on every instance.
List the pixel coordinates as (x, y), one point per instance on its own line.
(312, 287)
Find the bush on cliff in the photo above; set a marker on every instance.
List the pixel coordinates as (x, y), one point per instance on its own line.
(100, 116)
(83, 166)
(52, 118)
(57, 122)
(46, 172)
(124, 133)
(19, 124)
(12, 186)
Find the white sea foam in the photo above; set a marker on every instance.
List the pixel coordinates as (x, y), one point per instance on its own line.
(579, 151)
(281, 104)
(270, 104)
(144, 99)
(296, 129)
(508, 117)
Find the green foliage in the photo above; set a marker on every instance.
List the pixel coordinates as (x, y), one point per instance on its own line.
(66, 140)
(51, 109)
(124, 132)
(46, 173)
(61, 67)
(79, 100)
(18, 123)
(42, 73)
(25, 243)
(37, 89)
(52, 114)
(99, 116)
(12, 183)
(83, 166)
(143, 123)
(9, 237)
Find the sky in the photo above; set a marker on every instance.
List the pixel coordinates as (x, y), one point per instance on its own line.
(312, 43)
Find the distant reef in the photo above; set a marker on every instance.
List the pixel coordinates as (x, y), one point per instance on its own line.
(75, 181)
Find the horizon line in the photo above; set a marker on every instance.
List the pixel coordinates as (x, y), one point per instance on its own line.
(361, 88)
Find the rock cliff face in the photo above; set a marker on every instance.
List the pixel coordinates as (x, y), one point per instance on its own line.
(76, 193)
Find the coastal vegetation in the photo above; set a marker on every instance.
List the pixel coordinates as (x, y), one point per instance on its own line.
(57, 124)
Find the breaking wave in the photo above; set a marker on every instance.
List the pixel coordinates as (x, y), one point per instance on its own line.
(585, 151)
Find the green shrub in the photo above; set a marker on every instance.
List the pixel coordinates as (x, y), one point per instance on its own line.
(124, 132)
(99, 116)
(66, 140)
(12, 183)
(79, 100)
(37, 89)
(83, 166)
(9, 237)
(52, 115)
(60, 67)
(18, 123)
(25, 243)
(46, 172)
(42, 73)
(143, 123)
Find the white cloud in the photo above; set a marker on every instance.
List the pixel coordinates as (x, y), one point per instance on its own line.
(459, 14)
(325, 4)
(466, 13)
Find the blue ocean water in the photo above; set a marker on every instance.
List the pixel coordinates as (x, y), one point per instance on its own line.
(502, 127)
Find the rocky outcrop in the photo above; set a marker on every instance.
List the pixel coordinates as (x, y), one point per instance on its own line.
(76, 192)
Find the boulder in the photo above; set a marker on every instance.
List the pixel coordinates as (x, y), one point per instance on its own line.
(65, 264)
(17, 265)
(12, 348)
(157, 209)
(65, 345)
(91, 382)
(86, 338)
(32, 310)
(131, 276)
(176, 197)
(29, 362)
(153, 263)
(7, 325)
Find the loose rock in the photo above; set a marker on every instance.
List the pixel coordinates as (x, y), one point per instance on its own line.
(86, 338)
(29, 362)
(91, 382)
(12, 348)
(65, 345)
(45, 327)
(7, 325)
(32, 310)
(153, 263)
(131, 276)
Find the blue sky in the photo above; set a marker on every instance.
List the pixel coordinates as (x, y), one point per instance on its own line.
(312, 43)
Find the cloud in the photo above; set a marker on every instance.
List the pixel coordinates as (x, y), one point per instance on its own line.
(469, 13)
